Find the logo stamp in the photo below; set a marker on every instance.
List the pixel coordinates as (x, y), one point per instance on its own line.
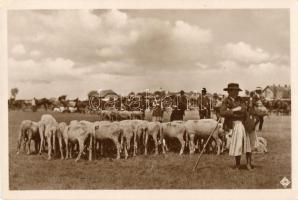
(285, 182)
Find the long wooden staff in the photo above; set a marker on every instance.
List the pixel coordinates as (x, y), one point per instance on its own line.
(200, 155)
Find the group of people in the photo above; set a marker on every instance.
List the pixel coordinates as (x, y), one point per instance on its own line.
(178, 111)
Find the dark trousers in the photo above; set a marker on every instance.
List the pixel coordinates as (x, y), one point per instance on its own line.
(177, 115)
(205, 114)
(259, 119)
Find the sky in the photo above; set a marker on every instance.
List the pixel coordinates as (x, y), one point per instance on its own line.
(55, 52)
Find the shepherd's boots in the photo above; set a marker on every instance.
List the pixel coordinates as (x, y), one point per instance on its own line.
(237, 159)
(248, 161)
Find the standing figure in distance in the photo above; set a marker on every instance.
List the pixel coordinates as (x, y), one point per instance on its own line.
(257, 103)
(143, 106)
(216, 105)
(157, 114)
(182, 105)
(204, 105)
(33, 103)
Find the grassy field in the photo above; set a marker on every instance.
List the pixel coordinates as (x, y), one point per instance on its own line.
(169, 171)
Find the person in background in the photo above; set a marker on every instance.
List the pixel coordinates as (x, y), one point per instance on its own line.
(182, 105)
(217, 104)
(157, 114)
(257, 101)
(176, 114)
(33, 103)
(143, 106)
(234, 111)
(204, 105)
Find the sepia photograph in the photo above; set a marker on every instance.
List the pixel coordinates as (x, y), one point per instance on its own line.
(149, 99)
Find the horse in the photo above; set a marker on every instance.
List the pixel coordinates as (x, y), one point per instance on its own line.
(42, 102)
(282, 107)
(81, 105)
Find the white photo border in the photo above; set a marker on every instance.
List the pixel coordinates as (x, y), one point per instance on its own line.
(292, 193)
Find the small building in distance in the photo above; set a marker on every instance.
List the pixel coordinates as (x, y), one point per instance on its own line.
(277, 92)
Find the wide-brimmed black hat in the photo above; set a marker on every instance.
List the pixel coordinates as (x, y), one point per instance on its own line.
(181, 92)
(204, 90)
(232, 86)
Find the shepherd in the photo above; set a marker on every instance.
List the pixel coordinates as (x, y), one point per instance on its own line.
(234, 111)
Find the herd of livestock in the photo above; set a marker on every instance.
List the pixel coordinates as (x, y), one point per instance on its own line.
(128, 137)
(126, 129)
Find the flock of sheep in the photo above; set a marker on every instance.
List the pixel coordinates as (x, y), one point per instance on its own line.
(126, 135)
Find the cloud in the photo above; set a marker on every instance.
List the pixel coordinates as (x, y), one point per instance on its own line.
(35, 53)
(202, 66)
(245, 53)
(18, 49)
(255, 74)
(189, 34)
(269, 69)
(113, 51)
(228, 65)
(127, 68)
(45, 71)
(112, 35)
(135, 50)
(88, 19)
(115, 19)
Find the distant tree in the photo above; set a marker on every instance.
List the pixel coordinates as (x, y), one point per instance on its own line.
(131, 93)
(14, 92)
(93, 93)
